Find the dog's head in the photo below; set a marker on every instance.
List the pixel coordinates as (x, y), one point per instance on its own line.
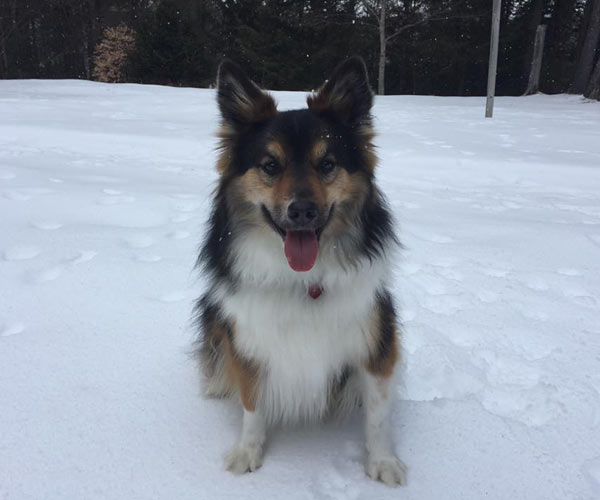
(303, 174)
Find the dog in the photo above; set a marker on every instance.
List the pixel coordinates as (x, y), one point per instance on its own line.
(297, 319)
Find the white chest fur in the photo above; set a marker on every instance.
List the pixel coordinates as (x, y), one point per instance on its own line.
(301, 343)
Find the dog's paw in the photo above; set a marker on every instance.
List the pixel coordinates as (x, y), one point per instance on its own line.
(244, 459)
(388, 470)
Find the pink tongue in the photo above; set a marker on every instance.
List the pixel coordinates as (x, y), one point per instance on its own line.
(301, 249)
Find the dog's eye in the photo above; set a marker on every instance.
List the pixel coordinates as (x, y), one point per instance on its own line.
(270, 167)
(326, 166)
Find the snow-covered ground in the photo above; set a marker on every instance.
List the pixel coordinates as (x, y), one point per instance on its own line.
(103, 194)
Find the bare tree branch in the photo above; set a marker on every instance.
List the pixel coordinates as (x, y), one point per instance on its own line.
(371, 10)
(429, 20)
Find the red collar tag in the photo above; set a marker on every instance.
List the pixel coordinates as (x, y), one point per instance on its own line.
(315, 290)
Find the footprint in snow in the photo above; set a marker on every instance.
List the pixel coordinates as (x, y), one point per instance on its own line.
(432, 237)
(495, 273)
(438, 238)
(406, 205)
(410, 268)
(184, 217)
(169, 168)
(148, 258)
(84, 256)
(49, 274)
(54, 272)
(46, 225)
(581, 297)
(566, 271)
(187, 207)
(7, 176)
(536, 284)
(175, 296)
(408, 315)
(442, 304)
(183, 196)
(100, 179)
(533, 314)
(451, 274)
(139, 241)
(14, 195)
(178, 235)
(25, 194)
(591, 470)
(487, 296)
(21, 252)
(8, 329)
(115, 200)
(332, 480)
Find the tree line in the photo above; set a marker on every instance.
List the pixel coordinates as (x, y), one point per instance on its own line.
(411, 46)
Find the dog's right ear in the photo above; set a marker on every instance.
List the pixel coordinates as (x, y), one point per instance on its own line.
(241, 101)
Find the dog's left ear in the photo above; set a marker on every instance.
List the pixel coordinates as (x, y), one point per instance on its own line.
(241, 101)
(347, 94)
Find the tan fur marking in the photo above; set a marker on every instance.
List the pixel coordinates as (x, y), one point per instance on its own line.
(345, 187)
(317, 187)
(384, 367)
(243, 374)
(223, 163)
(253, 188)
(381, 366)
(276, 150)
(225, 134)
(367, 134)
(283, 189)
(318, 151)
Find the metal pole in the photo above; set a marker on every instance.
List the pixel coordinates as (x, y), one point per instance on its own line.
(491, 88)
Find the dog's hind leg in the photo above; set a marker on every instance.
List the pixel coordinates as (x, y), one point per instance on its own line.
(211, 357)
(382, 463)
(211, 352)
(377, 379)
(215, 383)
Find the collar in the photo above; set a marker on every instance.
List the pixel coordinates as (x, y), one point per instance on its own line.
(315, 290)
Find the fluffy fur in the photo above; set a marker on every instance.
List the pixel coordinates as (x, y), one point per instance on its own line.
(263, 338)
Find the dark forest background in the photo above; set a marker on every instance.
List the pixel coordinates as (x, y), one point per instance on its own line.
(431, 46)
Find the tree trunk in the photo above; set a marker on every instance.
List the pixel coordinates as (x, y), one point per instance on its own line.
(533, 86)
(382, 47)
(3, 36)
(534, 21)
(593, 88)
(583, 28)
(588, 51)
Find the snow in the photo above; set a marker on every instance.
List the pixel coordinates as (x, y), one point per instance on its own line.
(103, 193)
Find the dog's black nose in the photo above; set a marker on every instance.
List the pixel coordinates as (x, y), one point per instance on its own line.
(302, 213)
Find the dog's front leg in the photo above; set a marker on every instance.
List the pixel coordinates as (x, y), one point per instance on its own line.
(247, 455)
(382, 463)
